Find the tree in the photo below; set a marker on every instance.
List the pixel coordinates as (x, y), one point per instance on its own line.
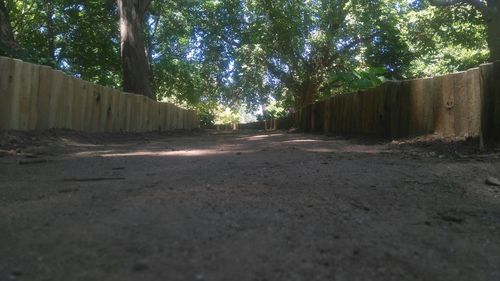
(7, 41)
(490, 13)
(301, 46)
(136, 70)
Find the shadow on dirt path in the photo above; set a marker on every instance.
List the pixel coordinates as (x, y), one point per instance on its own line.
(249, 206)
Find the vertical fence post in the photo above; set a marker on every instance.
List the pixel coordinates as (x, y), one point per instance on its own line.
(79, 102)
(473, 102)
(444, 105)
(428, 113)
(118, 111)
(416, 110)
(5, 82)
(11, 94)
(496, 99)
(128, 120)
(67, 91)
(461, 106)
(57, 114)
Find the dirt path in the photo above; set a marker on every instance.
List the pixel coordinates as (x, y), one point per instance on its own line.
(245, 207)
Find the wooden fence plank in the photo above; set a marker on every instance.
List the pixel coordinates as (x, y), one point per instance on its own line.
(382, 127)
(175, 117)
(99, 108)
(333, 116)
(79, 95)
(180, 118)
(496, 100)
(127, 100)
(404, 105)
(120, 121)
(487, 113)
(327, 116)
(346, 108)
(154, 117)
(57, 114)
(67, 92)
(358, 110)
(387, 109)
(44, 98)
(439, 108)
(138, 108)
(416, 108)
(162, 107)
(350, 103)
(393, 100)
(370, 112)
(445, 103)
(118, 112)
(169, 115)
(473, 102)
(31, 96)
(197, 120)
(104, 107)
(185, 119)
(145, 114)
(338, 114)
(90, 111)
(5, 92)
(18, 87)
(114, 120)
(460, 110)
(428, 112)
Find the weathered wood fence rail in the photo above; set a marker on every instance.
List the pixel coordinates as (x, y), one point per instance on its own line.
(453, 105)
(34, 97)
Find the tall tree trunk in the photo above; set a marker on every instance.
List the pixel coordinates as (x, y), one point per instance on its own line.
(493, 27)
(6, 35)
(136, 78)
(307, 94)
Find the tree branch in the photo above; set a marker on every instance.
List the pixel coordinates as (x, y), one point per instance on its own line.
(445, 3)
(144, 6)
(326, 61)
(284, 77)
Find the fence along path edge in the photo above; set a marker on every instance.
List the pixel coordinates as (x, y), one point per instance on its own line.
(38, 97)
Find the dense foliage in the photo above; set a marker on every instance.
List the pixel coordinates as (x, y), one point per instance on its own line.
(79, 37)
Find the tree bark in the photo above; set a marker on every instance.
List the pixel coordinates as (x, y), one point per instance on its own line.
(493, 27)
(136, 78)
(307, 94)
(6, 35)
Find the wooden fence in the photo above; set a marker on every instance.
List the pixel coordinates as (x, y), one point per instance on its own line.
(282, 123)
(453, 105)
(34, 97)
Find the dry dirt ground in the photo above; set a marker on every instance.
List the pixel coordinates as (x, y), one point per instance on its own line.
(247, 206)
